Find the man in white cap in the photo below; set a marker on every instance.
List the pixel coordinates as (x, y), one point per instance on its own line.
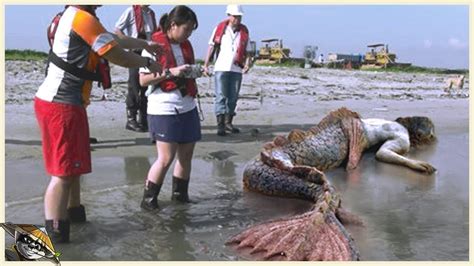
(229, 42)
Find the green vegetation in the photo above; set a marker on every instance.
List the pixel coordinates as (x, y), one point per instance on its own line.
(32, 55)
(418, 69)
(25, 55)
(299, 63)
(292, 62)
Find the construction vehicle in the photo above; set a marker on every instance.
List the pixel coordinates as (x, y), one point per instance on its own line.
(344, 61)
(378, 56)
(272, 51)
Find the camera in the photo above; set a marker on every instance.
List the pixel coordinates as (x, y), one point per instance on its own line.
(195, 71)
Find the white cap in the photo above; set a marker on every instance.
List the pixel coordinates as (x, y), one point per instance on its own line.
(234, 10)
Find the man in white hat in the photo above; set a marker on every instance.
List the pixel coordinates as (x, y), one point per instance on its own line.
(229, 42)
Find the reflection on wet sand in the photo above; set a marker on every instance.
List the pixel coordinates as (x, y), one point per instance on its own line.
(407, 215)
(136, 168)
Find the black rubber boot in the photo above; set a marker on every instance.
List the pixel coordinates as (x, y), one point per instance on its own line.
(132, 123)
(221, 125)
(180, 190)
(77, 214)
(150, 196)
(142, 121)
(58, 230)
(228, 124)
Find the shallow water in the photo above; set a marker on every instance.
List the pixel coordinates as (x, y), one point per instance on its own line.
(408, 216)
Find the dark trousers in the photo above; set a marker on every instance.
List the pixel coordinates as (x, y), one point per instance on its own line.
(136, 99)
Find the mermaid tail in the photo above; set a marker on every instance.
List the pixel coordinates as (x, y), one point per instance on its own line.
(315, 235)
(292, 167)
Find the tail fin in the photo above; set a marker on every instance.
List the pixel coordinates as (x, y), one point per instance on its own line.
(316, 235)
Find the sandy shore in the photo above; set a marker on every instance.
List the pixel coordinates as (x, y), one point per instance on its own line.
(394, 202)
(273, 101)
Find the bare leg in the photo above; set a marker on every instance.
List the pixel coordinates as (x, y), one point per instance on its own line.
(56, 197)
(166, 152)
(182, 168)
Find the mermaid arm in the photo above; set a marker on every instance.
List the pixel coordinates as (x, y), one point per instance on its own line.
(391, 150)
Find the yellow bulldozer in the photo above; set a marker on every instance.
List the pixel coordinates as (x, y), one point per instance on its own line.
(378, 57)
(272, 51)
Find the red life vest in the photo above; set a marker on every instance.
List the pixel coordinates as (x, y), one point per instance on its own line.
(244, 38)
(167, 60)
(139, 21)
(53, 26)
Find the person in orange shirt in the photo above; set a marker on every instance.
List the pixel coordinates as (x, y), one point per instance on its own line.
(80, 41)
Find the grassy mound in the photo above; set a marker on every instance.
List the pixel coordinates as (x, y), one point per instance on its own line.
(25, 55)
(418, 69)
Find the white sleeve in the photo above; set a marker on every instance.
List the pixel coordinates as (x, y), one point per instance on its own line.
(211, 40)
(124, 20)
(145, 70)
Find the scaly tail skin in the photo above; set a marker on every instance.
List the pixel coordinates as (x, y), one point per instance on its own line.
(271, 181)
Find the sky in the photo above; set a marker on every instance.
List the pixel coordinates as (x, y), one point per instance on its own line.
(424, 35)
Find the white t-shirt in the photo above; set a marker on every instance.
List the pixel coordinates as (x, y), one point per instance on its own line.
(168, 103)
(126, 23)
(229, 44)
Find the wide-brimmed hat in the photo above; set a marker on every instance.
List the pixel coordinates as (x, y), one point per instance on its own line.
(234, 10)
(37, 233)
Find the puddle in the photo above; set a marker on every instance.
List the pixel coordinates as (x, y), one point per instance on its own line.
(408, 216)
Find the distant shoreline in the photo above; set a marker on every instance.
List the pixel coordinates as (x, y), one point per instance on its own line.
(34, 55)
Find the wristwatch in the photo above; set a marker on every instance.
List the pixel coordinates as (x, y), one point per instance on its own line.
(167, 73)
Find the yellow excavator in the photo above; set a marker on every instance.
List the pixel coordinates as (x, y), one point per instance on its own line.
(378, 57)
(272, 51)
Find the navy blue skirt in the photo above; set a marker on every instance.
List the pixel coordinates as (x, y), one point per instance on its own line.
(179, 128)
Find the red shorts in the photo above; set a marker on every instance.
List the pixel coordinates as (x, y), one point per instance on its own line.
(65, 137)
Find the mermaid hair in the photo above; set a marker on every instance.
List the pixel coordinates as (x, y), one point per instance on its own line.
(420, 129)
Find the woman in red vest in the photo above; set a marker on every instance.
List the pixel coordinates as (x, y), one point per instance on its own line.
(173, 118)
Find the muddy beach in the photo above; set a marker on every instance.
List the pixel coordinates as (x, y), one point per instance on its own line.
(408, 216)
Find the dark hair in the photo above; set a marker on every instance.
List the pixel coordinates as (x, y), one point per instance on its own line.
(420, 129)
(179, 15)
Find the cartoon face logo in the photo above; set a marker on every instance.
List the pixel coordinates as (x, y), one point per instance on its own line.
(32, 243)
(29, 248)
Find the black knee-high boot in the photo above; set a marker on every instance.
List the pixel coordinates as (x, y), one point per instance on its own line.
(228, 124)
(150, 196)
(58, 230)
(77, 214)
(180, 190)
(220, 125)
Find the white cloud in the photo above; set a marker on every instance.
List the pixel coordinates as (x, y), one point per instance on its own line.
(456, 43)
(427, 43)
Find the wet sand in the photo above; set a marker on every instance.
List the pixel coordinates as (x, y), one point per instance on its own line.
(408, 216)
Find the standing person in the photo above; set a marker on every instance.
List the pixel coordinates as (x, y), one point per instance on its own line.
(60, 108)
(321, 59)
(229, 41)
(172, 113)
(137, 21)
